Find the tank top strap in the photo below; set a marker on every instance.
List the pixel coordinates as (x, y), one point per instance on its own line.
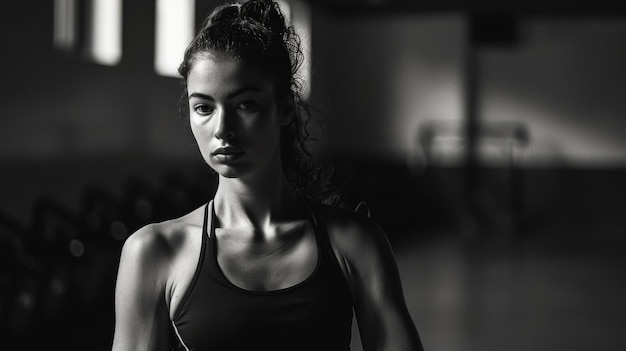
(210, 260)
(175, 341)
(196, 275)
(205, 231)
(319, 226)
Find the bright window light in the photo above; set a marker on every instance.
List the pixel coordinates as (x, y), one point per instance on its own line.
(175, 23)
(106, 33)
(65, 24)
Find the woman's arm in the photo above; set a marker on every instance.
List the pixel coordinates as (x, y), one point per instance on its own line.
(141, 321)
(382, 316)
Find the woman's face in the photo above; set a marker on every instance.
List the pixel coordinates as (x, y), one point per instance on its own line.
(234, 116)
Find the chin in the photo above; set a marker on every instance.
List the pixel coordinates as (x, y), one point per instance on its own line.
(229, 171)
(230, 174)
(242, 167)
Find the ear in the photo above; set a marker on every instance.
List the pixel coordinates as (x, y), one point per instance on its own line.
(287, 110)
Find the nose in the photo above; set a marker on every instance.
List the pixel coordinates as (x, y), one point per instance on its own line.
(225, 128)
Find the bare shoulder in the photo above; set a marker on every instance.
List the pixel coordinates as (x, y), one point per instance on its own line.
(156, 246)
(147, 274)
(352, 233)
(366, 257)
(163, 238)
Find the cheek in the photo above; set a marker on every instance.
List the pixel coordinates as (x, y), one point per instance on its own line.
(201, 135)
(264, 135)
(199, 128)
(197, 133)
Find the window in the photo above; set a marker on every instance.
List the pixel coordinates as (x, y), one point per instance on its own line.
(94, 28)
(175, 23)
(105, 40)
(99, 37)
(65, 31)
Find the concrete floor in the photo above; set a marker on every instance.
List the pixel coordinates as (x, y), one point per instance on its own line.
(549, 293)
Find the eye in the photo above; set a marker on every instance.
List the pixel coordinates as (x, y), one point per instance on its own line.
(248, 105)
(203, 109)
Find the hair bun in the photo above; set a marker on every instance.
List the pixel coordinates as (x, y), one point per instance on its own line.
(265, 12)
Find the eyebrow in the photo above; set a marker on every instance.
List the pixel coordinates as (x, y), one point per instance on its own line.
(230, 95)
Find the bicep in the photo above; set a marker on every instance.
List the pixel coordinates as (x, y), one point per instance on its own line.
(383, 318)
(141, 321)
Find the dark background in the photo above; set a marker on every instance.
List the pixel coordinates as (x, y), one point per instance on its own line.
(486, 138)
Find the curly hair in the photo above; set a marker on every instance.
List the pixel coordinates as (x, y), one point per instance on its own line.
(257, 33)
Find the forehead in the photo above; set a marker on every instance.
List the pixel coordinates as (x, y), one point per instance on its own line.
(223, 74)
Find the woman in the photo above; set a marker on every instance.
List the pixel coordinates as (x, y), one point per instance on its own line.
(262, 265)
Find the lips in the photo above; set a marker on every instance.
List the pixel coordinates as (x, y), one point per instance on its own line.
(227, 150)
(227, 154)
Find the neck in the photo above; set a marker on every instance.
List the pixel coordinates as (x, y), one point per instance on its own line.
(256, 204)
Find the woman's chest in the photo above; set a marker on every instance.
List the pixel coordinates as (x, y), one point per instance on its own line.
(267, 265)
(219, 315)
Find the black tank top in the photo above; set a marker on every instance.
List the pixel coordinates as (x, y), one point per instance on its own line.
(216, 315)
